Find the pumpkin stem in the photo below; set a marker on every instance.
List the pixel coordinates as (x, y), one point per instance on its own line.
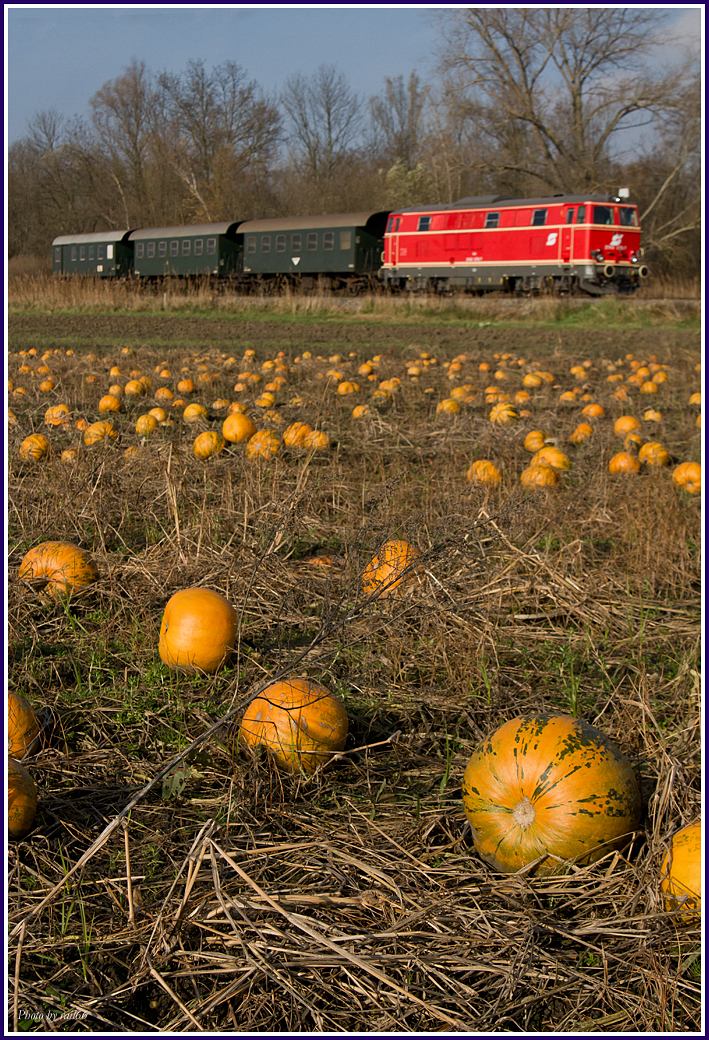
(524, 813)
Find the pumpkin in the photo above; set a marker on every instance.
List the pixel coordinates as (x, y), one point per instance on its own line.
(582, 432)
(300, 723)
(23, 727)
(360, 411)
(264, 444)
(651, 415)
(548, 785)
(134, 388)
(100, 433)
(623, 463)
(653, 454)
(534, 441)
(145, 424)
(34, 447)
(483, 471)
(539, 475)
(110, 403)
(624, 425)
(194, 413)
(688, 475)
(347, 387)
(316, 440)
(681, 873)
(385, 573)
(65, 568)
(503, 414)
(551, 456)
(198, 631)
(207, 444)
(57, 415)
(295, 434)
(21, 800)
(448, 406)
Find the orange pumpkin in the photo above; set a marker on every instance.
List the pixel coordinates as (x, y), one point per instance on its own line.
(623, 463)
(21, 800)
(391, 570)
(264, 444)
(194, 413)
(110, 403)
(534, 441)
(300, 723)
(316, 440)
(582, 432)
(207, 444)
(34, 447)
(681, 873)
(100, 433)
(23, 727)
(65, 568)
(624, 425)
(539, 475)
(237, 427)
(483, 471)
(551, 456)
(198, 631)
(548, 785)
(295, 434)
(146, 424)
(653, 454)
(688, 475)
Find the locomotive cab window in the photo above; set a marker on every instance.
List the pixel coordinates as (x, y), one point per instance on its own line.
(211, 246)
(581, 215)
(265, 243)
(345, 240)
(198, 246)
(186, 247)
(602, 215)
(151, 250)
(280, 243)
(492, 220)
(312, 241)
(539, 217)
(390, 225)
(162, 248)
(174, 248)
(628, 216)
(296, 243)
(569, 216)
(328, 240)
(424, 224)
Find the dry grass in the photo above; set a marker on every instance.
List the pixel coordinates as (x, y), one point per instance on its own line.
(171, 884)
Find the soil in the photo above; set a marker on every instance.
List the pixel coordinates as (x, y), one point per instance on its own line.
(360, 337)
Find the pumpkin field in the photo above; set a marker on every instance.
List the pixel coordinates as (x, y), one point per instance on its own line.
(359, 689)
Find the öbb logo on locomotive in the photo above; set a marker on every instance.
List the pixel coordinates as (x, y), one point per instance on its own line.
(561, 244)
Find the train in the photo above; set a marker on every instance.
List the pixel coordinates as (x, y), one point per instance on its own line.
(560, 244)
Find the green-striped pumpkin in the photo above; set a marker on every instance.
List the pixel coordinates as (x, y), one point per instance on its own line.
(548, 785)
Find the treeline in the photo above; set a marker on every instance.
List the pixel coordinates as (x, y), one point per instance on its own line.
(526, 102)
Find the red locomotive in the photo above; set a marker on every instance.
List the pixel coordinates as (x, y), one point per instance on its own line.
(562, 244)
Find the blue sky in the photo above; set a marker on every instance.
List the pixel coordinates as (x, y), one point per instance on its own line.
(57, 56)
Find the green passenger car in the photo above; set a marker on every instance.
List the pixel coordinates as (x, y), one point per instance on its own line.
(338, 249)
(103, 254)
(199, 249)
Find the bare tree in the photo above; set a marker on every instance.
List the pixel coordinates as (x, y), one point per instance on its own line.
(572, 78)
(123, 114)
(325, 121)
(397, 120)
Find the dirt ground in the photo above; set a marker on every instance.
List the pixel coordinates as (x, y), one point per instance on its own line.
(361, 336)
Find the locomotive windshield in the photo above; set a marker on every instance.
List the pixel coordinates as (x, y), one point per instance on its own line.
(602, 215)
(628, 216)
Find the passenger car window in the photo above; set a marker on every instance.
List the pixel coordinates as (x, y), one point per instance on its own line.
(139, 250)
(99, 252)
(328, 240)
(198, 246)
(211, 246)
(151, 249)
(174, 247)
(345, 240)
(312, 241)
(296, 243)
(280, 243)
(265, 243)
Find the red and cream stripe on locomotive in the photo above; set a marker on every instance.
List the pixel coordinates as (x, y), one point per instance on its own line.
(564, 243)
